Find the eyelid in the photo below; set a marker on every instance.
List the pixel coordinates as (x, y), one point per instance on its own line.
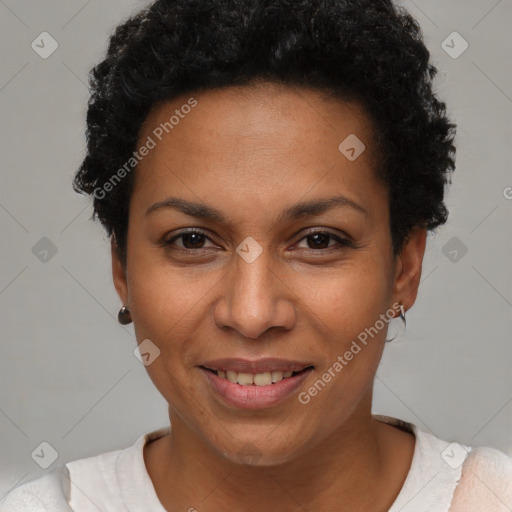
(328, 231)
(186, 231)
(343, 239)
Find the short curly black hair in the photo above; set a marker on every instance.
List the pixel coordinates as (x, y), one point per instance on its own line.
(371, 51)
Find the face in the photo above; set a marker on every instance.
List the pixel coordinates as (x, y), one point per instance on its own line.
(281, 263)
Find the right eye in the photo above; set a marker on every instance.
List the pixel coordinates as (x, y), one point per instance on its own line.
(191, 240)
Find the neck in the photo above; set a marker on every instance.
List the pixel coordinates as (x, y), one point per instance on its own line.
(358, 462)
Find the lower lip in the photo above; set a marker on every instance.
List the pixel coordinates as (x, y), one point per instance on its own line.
(255, 397)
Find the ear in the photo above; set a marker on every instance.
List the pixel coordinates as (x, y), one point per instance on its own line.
(118, 273)
(408, 268)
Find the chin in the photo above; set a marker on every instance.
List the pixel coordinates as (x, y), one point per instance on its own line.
(256, 451)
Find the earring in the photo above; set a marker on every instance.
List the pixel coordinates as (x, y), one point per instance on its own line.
(124, 317)
(402, 314)
(402, 317)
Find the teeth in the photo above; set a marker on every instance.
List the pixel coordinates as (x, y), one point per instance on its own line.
(263, 379)
(257, 379)
(277, 376)
(245, 379)
(231, 376)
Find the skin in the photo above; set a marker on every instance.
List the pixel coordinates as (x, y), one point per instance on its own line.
(251, 152)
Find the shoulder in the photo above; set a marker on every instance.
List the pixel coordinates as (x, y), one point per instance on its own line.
(453, 477)
(40, 495)
(69, 487)
(102, 481)
(486, 482)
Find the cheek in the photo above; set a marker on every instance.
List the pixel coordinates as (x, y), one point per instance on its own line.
(165, 307)
(164, 297)
(350, 299)
(347, 314)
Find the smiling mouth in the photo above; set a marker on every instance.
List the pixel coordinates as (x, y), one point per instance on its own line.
(255, 379)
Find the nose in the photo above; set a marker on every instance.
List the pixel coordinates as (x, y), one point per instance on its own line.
(255, 298)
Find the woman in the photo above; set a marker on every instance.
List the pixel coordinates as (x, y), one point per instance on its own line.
(267, 172)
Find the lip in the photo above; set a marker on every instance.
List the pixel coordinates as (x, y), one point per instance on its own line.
(251, 396)
(267, 364)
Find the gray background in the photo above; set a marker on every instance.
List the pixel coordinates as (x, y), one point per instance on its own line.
(68, 375)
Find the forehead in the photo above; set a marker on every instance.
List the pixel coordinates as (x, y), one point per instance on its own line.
(258, 112)
(262, 144)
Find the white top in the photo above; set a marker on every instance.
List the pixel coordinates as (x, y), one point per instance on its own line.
(118, 480)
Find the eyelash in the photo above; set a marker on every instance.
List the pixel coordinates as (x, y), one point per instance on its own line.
(342, 242)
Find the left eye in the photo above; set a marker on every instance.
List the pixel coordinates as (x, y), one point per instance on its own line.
(318, 240)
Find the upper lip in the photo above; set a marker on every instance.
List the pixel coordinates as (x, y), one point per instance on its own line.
(269, 364)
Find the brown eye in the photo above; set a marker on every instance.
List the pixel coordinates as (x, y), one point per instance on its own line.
(190, 240)
(319, 240)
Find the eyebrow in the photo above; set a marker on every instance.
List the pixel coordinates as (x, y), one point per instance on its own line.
(303, 209)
